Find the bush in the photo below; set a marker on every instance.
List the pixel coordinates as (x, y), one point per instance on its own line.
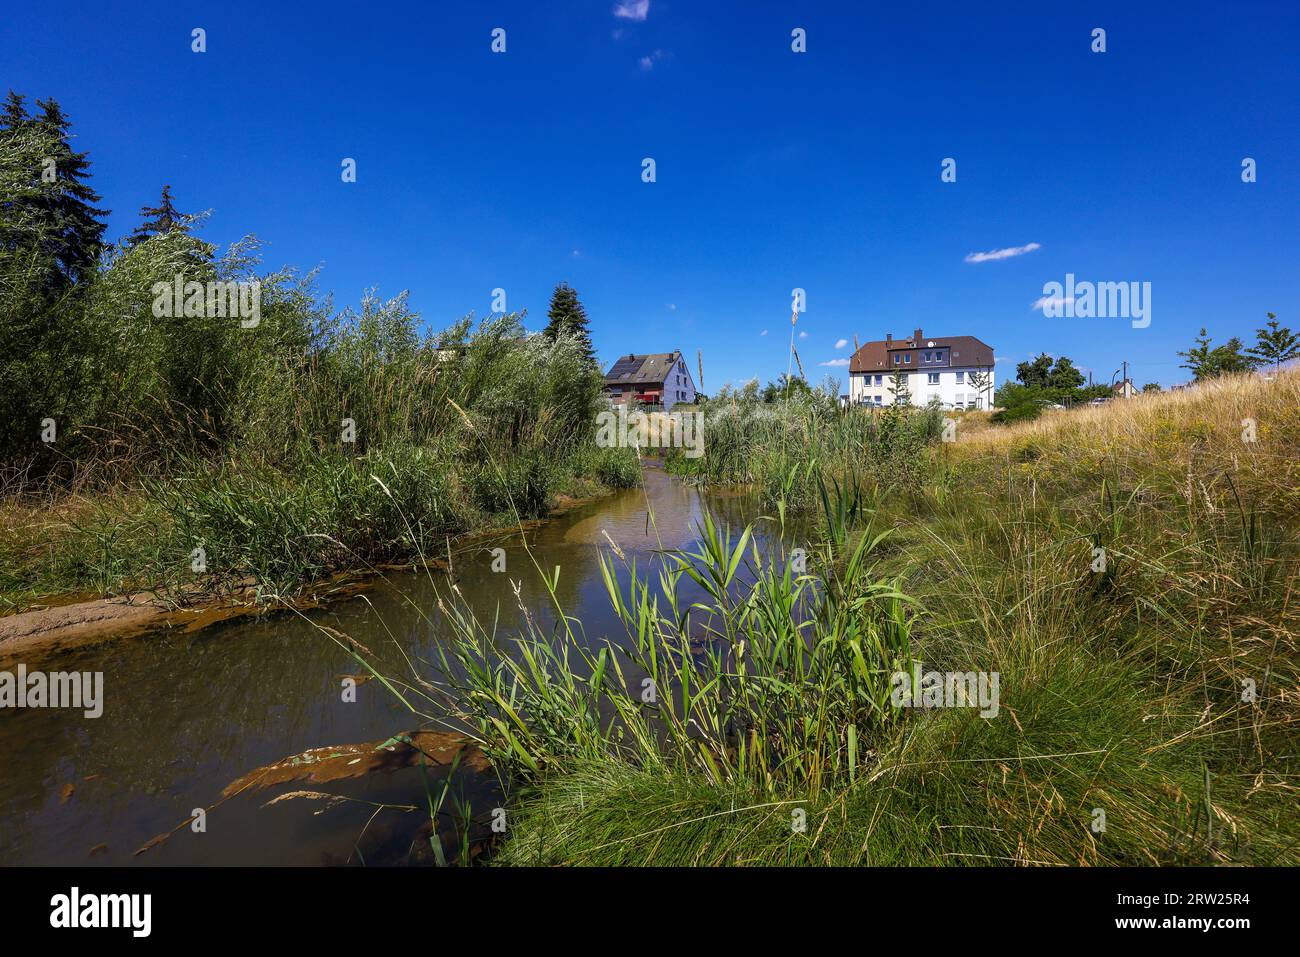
(614, 467)
(522, 484)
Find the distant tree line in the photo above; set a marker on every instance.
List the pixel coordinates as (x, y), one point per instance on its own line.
(1044, 381)
(1274, 345)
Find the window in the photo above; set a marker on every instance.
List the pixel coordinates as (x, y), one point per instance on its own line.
(897, 359)
(961, 377)
(877, 400)
(907, 359)
(880, 380)
(933, 378)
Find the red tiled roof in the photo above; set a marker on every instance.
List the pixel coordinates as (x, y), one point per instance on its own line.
(964, 351)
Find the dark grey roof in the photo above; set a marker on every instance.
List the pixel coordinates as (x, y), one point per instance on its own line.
(653, 367)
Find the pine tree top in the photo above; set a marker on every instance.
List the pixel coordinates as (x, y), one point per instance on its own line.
(159, 219)
(15, 111)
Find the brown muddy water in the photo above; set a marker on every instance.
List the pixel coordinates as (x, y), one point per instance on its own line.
(186, 714)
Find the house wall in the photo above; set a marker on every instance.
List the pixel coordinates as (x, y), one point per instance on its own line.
(951, 393)
(678, 387)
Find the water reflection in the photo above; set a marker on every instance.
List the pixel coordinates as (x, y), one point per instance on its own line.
(186, 714)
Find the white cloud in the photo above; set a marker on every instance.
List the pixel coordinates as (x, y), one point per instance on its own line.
(803, 335)
(995, 254)
(841, 343)
(672, 306)
(636, 10)
(763, 333)
(1056, 302)
(648, 62)
(836, 362)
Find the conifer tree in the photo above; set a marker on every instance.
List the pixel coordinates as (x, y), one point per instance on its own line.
(1276, 345)
(566, 315)
(14, 113)
(159, 219)
(68, 228)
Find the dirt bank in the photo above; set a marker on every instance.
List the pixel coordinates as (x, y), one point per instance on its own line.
(65, 623)
(53, 630)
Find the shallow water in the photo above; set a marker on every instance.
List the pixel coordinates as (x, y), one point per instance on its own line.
(186, 714)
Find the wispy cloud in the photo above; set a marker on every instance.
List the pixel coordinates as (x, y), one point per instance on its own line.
(995, 254)
(1056, 302)
(841, 343)
(803, 335)
(636, 10)
(836, 362)
(648, 62)
(672, 306)
(763, 333)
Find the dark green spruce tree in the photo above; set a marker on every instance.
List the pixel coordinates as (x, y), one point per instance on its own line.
(159, 219)
(20, 181)
(14, 113)
(567, 315)
(71, 226)
(51, 238)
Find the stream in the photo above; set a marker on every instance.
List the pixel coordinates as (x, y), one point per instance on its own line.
(185, 714)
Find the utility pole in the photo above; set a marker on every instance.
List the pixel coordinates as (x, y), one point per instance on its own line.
(1123, 382)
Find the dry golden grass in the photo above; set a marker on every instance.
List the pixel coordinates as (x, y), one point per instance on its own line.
(1245, 429)
(1218, 406)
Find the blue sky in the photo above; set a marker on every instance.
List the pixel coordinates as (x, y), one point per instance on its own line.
(774, 169)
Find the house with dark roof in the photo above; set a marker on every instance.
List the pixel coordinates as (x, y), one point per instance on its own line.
(656, 378)
(955, 370)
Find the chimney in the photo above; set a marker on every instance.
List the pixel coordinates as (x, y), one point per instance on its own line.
(889, 339)
(918, 336)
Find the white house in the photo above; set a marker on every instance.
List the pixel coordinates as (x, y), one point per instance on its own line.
(947, 368)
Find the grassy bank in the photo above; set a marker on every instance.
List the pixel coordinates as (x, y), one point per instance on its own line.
(278, 526)
(779, 448)
(1129, 572)
(197, 452)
